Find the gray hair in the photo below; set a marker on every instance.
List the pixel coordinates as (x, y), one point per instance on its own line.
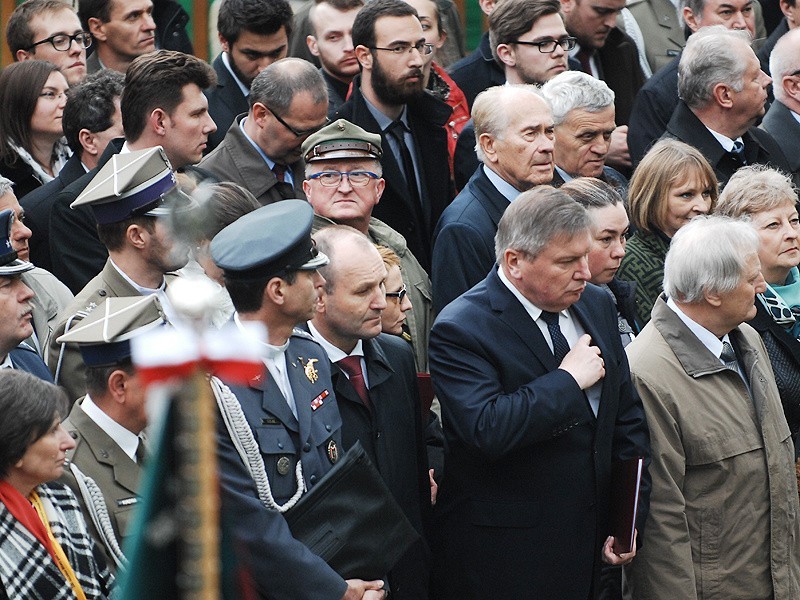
(576, 90)
(6, 186)
(535, 218)
(493, 107)
(696, 6)
(710, 58)
(278, 84)
(784, 60)
(754, 189)
(709, 254)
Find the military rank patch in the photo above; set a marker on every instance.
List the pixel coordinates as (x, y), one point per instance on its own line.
(319, 400)
(127, 501)
(333, 452)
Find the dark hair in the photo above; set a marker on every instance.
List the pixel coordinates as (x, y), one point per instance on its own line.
(99, 9)
(248, 296)
(227, 202)
(364, 25)
(90, 105)
(113, 235)
(156, 80)
(261, 17)
(20, 86)
(513, 18)
(19, 35)
(97, 377)
(591, 192)
(342, 5)
(29, 406)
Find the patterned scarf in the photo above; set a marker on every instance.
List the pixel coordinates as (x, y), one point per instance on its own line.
(775, 299)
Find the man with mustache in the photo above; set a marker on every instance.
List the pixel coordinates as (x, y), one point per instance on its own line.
(388, 99)
(16, 308)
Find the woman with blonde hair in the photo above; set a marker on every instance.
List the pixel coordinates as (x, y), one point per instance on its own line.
(767, 199)
(673, 184)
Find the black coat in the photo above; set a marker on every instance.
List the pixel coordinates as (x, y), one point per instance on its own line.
(426, 118)
(21, 175)
(225, 103)
(619, 68)
(478, 71)
(784, 128)
(76, 252)
(759, 146)
(171, 20)
(37, 205)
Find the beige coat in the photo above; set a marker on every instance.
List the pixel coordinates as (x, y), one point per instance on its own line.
(723, 521)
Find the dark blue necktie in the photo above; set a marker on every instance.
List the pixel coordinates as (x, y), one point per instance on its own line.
(560, 344)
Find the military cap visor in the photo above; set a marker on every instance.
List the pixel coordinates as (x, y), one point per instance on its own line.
(103, 337)
(10, 264)
(270, 241)
(342, 139)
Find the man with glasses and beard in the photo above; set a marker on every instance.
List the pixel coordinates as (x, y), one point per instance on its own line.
(261, 151)
(388, 99)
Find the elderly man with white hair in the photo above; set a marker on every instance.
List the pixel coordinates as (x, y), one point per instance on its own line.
(514, 132)
(723, 520)
(782, 120)
(583, 113)
(723, 93)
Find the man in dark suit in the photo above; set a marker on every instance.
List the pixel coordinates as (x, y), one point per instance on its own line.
(122, 30)
(723, 92)
(162, 105)
(389, 99)
(537, 403)
(657, 99)
(376, 386)
(288, 415)
(262, 149)
(781, 118)
(253, 34)
(515, 158)
(91, 119)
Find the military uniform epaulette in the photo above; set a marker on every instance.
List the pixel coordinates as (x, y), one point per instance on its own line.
(297, 332)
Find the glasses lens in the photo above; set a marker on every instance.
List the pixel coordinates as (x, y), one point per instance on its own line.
(84, 40)
(567, 43)
(330, 178)
(358, 178)
(61, 42)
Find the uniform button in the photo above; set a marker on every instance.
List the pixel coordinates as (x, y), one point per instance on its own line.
(101, 293)
(327, 427)
(307, 448)
(313, 479)
(280, 446)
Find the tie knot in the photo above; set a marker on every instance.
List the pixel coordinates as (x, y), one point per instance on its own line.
(398, 127)
(727, 355)
(279, 171)
(550, 318)
(350, 365)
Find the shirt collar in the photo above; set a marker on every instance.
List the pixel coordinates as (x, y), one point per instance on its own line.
(724, 141)
(334, 354)
(564, 175)
(7, 364)
(508, 191)
(227, 62)
(125, 439)
(384, 121)
(272, 352)
(144, 291)
(708, 339)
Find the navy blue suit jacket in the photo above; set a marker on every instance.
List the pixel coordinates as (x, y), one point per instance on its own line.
(225, 102)
(463, 243)
(523, 507)
(26, 359)
(278, 564)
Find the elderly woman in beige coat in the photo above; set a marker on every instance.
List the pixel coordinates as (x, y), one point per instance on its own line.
(723, 520)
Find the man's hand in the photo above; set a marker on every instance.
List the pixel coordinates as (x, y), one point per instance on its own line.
(618, 155)
(434, 487)
(611, 558)
(358, 589)
(584, 363)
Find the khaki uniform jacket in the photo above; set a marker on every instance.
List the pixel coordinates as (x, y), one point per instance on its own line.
(416, 280)
(99, 456)
(723, 521)
(51, 298)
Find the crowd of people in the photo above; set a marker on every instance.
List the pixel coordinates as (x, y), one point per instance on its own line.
(503, 274)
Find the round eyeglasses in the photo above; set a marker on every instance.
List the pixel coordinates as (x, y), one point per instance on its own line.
(334, 178)
(63, 42)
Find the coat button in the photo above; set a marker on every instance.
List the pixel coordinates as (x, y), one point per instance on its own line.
(307, 448)
(101, 293)
(280, 446)
(312, 479)
(327, 427)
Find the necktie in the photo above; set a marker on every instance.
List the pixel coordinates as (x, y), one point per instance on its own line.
(728, 356)
(141, 453)
(584, 56)
(352, 366)
(738, 152)
(397, 130)
(280, 172)
(560, 344)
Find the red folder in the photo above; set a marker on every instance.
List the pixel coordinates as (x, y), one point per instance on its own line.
(626, 479)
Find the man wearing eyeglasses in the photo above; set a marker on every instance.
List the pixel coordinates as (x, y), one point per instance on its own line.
(374, 380)
(388, 99)
(343, 185)
(261, 151)
(49, 30)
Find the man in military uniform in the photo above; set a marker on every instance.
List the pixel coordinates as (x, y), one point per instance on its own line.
(342, 147)
(287, 418)
(107, 423)
(129, 196)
